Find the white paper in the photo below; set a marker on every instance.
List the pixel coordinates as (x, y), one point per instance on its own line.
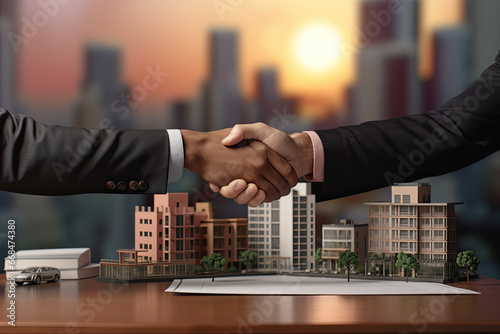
(303, 285)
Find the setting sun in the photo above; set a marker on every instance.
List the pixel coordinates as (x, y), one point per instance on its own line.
(317, 46)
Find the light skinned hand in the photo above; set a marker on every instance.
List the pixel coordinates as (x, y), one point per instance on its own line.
(295, 148)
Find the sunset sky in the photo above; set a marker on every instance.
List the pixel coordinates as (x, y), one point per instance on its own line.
(174, 34)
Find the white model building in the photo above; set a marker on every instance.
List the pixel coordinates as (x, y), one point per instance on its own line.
(282, 233)
(341, 237)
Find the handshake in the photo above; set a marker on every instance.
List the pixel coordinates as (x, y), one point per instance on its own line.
(251, 163)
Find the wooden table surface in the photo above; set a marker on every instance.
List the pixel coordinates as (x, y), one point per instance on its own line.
(87, 306)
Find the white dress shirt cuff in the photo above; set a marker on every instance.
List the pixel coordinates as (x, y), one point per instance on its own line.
(176, 156)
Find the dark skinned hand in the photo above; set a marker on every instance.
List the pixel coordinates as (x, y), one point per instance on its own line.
(251, 161)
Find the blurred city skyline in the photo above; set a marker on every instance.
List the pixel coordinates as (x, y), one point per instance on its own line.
(175, 37)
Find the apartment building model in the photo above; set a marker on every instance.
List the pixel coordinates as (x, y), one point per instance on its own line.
(170, 230)
(282, 233)
(341, 237)
(411, 223)
(227, 236)
(172, 237)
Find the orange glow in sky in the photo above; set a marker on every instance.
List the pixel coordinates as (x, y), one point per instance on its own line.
(174, 35)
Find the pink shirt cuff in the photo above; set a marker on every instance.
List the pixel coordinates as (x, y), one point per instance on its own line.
(318, 174)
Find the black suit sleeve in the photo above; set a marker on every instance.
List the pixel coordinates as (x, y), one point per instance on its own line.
(380, 153)
(55, 160)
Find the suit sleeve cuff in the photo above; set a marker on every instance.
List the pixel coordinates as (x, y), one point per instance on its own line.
(318, 174)
(175, 156)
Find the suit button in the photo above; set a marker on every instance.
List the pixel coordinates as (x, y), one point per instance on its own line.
(110, 185)
(143, 185)
(134, 185)
(121, 185)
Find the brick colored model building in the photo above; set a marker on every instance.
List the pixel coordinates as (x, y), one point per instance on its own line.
(172, 230)
(169, 230)
(412, 224)
(228, 236)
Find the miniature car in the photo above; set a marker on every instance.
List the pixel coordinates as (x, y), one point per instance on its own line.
(37, 274)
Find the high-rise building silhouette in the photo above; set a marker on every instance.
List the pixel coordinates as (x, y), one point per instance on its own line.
(388, 84)
(450, 62)
(482, 20)
(221, 94)
(105, 100)
(7, 55)
(267, 93)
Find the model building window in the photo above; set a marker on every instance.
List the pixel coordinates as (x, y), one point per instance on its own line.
(166, 245)
(406, 198)
(275, 229)
(178, 256)
(179, 245)
(160, 245)
(180, 220)
(150, 246)
(140, 233)
(275, 243)
(275, 216)
(438, 210)
(166, 220)
(140, 246)
(397, 198)
(150, 234)
(160, 221)
(438, 246)
(438, 223)
(140, 222)
(179, 233)
(438, 235)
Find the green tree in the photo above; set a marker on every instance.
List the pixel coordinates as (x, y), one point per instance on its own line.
(232, 269)
(407, 262)
(319, 259)
(347, 260)
(468, 260)
(360, 270)
(216, 262)
(198, 269)
(248, 258)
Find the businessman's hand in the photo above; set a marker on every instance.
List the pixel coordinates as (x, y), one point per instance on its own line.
(251, 161)
(295, 148)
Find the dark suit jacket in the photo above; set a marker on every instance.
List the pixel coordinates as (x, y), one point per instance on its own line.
(56, 160)
(377, 154)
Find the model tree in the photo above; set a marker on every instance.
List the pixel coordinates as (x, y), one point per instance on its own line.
(216, 262)
(407, 262)
(248, 258)
(347, 260)
(468, 260)
(319, 259)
